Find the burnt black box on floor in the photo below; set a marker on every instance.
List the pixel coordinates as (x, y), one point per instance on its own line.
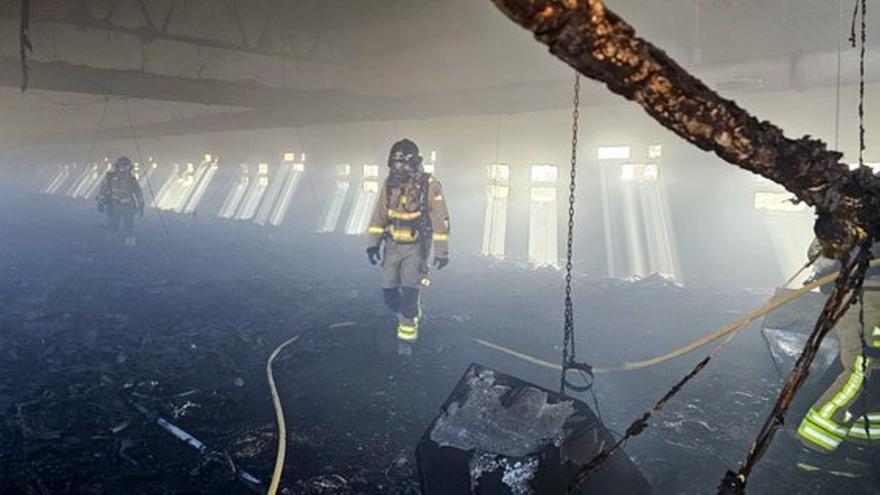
(497, 434)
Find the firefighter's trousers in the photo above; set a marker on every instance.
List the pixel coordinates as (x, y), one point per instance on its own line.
(121, 212)
(404, 267)
(838, 414)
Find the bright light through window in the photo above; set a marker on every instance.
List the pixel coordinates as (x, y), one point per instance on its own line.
(545, 174)
(282, 188)
(655, 151)
(430, 165)
(873, 166)
(639, 173)
(359, 216)
(371, 171)
(333, 209)
(639, 238)
(235, 196)
(495, 219)
(499, 172)
(614, 153)
(778, 202)
(543, 250)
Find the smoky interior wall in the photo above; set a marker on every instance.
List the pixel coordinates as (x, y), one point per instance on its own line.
(721, 238)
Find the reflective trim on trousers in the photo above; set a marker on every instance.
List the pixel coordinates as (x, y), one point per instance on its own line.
(847, 393)
(408, 332)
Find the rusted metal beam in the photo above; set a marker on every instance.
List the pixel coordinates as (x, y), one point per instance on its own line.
(599, 44)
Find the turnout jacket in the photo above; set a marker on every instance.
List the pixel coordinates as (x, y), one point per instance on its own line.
(120, 189)
(413, 212)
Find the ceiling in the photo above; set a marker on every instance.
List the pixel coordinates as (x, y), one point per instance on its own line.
(208, 57)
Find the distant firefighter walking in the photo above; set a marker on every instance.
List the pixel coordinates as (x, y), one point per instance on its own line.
(410, 218)
(120, 197)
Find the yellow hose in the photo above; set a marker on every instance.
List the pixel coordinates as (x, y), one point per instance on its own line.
(769, 306)
(279, 416)
(696, 344)
(279, 410)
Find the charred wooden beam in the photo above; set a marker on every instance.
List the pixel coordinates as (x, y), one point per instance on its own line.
(599, 44)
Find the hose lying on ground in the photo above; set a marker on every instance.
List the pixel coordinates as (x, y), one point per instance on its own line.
(279, 410)
(279, 416)
(769, 306)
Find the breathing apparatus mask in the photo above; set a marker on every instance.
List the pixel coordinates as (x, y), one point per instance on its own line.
(404, 162)
(123, 164)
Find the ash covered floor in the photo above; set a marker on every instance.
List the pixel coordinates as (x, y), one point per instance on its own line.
(184, 328)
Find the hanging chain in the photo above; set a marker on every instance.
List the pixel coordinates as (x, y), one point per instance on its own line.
(862, 5)
(860, 10)
(24, 42)
(568, 343)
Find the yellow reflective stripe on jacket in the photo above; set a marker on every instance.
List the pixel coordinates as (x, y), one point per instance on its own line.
(818, 437)
(401, 235)
(403, 215)
(441, 237)
(873, 417)
(826, 424)
(858, 431)
(374, 229)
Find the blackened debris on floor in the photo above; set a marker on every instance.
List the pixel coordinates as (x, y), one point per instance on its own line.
(182, 326)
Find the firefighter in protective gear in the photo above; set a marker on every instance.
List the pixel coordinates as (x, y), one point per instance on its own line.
(838, 415)
(120, 197)
(410, 217)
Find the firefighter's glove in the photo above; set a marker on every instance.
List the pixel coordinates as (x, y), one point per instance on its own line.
(373, 255)
(440, 263)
